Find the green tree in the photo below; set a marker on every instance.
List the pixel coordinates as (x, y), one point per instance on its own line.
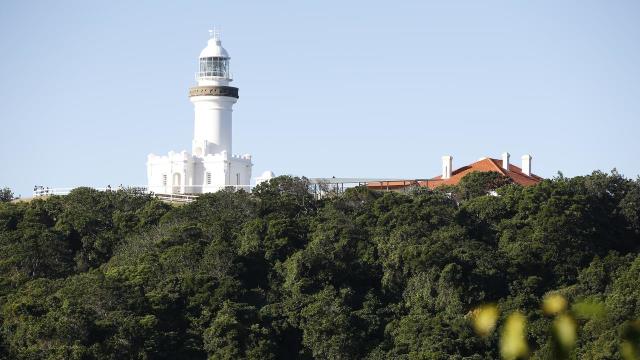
(278, 273)
(6, 195)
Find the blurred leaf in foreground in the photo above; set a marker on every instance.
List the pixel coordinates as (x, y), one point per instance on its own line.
(564, 335)
(484, 319)
(553, 304)
(630, 347)
(513, 342)
(589, 309)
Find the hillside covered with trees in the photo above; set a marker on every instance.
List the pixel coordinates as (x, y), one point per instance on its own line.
(278, 274)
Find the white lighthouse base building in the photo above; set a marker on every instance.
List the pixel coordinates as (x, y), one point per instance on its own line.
(183, 173)
(211, 166)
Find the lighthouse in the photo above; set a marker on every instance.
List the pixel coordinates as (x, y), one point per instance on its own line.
(213, 100)
(211, 165)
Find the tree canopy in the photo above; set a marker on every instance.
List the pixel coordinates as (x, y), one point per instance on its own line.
(280, 274)
(6, 195)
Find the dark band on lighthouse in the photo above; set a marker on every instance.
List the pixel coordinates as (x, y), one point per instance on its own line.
(219, 90)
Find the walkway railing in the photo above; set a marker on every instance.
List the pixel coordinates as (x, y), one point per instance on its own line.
(178, 198)
(320, 187)
(181, 197)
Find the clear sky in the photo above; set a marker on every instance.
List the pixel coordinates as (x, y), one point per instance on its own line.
(327, 88)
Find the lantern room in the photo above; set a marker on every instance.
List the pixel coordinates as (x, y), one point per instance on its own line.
(214, 60)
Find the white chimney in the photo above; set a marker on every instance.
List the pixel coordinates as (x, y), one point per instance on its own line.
(526, 164)
(447, 162)
(505, 160)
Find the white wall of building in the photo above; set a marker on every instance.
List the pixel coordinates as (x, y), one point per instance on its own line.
(183, 173)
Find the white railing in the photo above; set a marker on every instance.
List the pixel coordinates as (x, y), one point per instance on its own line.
(179, 198)
(200, 189)
(185, 194)
(189, 193)
(213, 75)
(47, 191)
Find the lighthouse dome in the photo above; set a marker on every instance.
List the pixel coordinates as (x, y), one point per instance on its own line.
(214, 48)
(214, 63)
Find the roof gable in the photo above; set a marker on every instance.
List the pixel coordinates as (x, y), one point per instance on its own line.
(487, 164)
(482, 165)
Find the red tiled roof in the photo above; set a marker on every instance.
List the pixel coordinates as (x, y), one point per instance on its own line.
(485, 164)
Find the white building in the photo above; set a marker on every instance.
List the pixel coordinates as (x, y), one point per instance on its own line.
(211, 166)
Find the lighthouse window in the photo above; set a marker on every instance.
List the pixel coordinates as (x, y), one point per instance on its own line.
(214, 66)
(208, 178)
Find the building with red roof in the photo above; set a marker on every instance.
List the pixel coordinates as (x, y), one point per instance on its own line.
(519, 175)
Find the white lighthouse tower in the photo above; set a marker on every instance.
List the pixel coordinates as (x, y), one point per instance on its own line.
(213, 100)
(212, 165)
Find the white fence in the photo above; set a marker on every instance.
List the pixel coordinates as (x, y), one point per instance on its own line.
(43, 191)
(320, 187)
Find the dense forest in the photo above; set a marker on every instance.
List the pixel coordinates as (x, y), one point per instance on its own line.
(280, 274)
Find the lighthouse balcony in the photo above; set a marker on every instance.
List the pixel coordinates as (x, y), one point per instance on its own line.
(213, 76)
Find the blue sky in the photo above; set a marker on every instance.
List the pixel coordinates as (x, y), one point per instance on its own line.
(327, 88)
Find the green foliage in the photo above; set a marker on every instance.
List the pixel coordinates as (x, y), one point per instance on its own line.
(480, 183)
(6, 195)
(279, 274)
